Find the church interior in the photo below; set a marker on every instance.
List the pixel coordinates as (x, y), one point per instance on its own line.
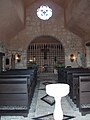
(43, 42)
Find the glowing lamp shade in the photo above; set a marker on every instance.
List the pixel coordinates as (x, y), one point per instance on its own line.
(44, 12)
(72, 57)
(18, 57)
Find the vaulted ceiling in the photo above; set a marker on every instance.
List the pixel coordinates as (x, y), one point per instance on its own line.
(12, 16)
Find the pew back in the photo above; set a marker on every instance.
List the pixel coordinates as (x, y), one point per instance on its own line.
(13, 95)
(84, 94)
(16, 91)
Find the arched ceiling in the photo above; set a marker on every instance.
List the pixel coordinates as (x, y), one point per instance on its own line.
(12, 16)
(77, 17)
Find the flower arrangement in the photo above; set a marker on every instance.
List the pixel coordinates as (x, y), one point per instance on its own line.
(59, 65)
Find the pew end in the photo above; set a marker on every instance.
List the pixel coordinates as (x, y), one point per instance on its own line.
(84, 95)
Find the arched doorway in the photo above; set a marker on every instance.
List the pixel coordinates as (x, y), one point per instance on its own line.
(88, 54)
(45, 52)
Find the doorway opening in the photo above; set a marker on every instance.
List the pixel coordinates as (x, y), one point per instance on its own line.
(88, 54)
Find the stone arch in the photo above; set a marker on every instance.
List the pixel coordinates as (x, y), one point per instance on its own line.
(45, 50)
(45, 37)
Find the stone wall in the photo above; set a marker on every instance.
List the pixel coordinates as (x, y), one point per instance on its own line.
(34, 27)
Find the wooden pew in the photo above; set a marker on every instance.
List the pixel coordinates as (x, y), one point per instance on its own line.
(30, 76)
(64, 74)
(13, 97)
(84, 94)
(72, 77)
(75, 84)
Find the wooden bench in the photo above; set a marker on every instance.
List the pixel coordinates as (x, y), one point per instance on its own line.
(14, 96)
(79, 81)
(64, 74)
(75, 84)
(14, 77)
(84, 94)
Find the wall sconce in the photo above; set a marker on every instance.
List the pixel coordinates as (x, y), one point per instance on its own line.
(18, 57)
(72, 57)
(32, 59)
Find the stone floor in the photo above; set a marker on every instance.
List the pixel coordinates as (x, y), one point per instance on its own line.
(42, 106)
